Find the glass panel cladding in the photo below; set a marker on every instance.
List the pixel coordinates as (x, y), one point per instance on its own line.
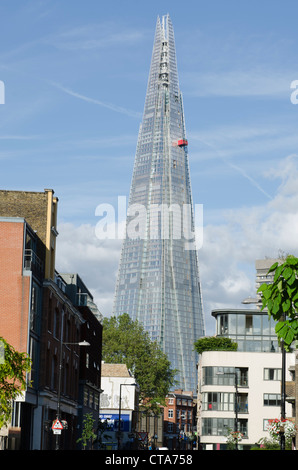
(225, 376)
(221, 426)
(252, 332)
(158, 281)
(221, 401)
(218, 401)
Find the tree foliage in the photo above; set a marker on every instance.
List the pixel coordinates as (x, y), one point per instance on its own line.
(88, 434)
(281, 299)
(12, 379)
(126, 342)
(215, 343)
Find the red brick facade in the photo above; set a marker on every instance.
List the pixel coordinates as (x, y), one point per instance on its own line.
(14, 286)
(179, 420)
(38, 316)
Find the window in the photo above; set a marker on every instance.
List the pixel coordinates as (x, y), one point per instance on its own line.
(223, 324)
(170, 413)
(248, 324)
(86, 397)
(56, 323)
(91, 399)
(54, 373)
(272, 399)
(211, 376)
(218, 401)
(272, 374)
(96, 401)
(34, 307)
(265, 424)
(50, 315)
(220, 426)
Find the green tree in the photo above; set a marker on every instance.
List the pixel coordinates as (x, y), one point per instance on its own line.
(214, 343)
(13, 371)
(88, 434)
(281, 299)
(126, 342)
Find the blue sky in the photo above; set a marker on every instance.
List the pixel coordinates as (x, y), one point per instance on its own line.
(75, 76)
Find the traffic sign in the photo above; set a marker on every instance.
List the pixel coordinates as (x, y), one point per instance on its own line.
(143, 436)
(57, 425)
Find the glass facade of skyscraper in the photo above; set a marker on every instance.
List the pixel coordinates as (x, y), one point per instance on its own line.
(158, 281)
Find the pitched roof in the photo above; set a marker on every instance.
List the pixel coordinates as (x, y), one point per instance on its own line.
(115, 370)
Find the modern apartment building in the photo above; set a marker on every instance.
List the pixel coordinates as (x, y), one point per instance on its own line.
(262, 277)
(158, 280)
(242, 387)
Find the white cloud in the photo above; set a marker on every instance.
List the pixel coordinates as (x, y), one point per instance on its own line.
(111, 106)
(96, 261)
(229, 252)
(240, 83)
(94, 37)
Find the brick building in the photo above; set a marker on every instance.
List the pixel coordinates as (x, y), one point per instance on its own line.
(90, 358)
(39, 209)
(179, 415)
(37, 317)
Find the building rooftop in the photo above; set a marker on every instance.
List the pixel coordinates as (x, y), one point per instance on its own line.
(115, 370)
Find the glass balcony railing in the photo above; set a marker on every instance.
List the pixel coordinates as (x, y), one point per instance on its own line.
(33, 263)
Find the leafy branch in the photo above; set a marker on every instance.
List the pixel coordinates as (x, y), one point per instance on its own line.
(281, 299)
(12, 379)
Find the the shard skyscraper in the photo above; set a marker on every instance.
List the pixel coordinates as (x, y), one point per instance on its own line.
(158, 281)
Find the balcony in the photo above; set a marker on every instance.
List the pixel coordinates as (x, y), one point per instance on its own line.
(33, 263)
(84, 300)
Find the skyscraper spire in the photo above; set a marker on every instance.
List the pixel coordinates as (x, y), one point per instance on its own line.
(158, 280)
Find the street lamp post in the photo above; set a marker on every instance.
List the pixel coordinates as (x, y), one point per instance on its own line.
(236, 402)
(119, 418)
(81, 343)
(283, 396)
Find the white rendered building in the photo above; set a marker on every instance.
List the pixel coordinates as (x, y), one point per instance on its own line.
(259, 395)
(257, 366)
(117, 381)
